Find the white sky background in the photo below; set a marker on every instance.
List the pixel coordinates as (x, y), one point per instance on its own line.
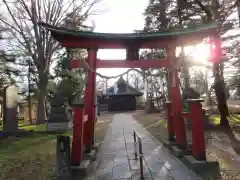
(118, 16)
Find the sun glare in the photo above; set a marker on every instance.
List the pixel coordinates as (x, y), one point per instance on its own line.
(200, 52)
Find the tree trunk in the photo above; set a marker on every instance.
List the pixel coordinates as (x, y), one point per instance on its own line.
(219, 84)
(29, 109)
(42, 85)
(238, 7)
(220, 92)
(209, 99)
(238, 92)
(186, 79)
(221, 100)
(145, 86)
(29, 95)
(207, 90)
(10, 120)
(41, 109)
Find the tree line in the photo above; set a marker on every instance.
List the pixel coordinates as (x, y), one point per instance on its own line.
(31, 51)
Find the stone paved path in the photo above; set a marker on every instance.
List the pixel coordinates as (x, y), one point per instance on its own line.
(116, 159)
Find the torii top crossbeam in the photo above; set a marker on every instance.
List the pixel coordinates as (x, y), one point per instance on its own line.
(86, 39)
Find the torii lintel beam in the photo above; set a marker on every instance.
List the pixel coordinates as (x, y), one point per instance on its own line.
(144, 64)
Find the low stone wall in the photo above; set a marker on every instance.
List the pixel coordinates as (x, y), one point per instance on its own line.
(59, 126)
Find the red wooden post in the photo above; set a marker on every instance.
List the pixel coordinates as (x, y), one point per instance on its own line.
(93, 124)
(176, 105)
(92, 58)
(77, 142)
(171, 132)
(198, 140)
(85, 133)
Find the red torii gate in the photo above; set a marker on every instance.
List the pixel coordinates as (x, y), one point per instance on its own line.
(168, 40)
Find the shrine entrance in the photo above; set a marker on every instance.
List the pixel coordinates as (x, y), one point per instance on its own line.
(120, 97)
(167, 40)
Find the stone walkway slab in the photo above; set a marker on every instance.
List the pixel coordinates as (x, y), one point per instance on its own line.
(116, 158)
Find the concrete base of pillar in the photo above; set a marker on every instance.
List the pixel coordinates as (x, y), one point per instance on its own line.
(82, 170)
(96, 146)
(172, 146)
(208, 169)
(90, 156)
(169, 144)
(59, 127)
(180, 152)
(88, 164)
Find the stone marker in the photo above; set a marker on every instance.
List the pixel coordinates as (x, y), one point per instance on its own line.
(149, 107)
(10, 116)
(63, 158)
(60, 118)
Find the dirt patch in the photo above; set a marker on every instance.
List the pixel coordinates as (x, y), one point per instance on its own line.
(218, 144)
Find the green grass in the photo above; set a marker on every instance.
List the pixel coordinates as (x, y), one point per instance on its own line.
(20, 124)
(34, 157)
(29, 127)
(156, 126)
(37, 128)
(215, 119)
(28, 157)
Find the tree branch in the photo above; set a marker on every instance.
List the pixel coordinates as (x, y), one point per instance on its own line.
(205, 9)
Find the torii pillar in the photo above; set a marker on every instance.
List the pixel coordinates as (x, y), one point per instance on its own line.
(178, 122)
(90, 98)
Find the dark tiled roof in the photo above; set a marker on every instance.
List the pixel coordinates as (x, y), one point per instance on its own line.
(58, 31)
(126, 90)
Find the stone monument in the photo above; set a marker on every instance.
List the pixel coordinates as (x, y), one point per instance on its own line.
(149, 106)
(60, 118)
(10, 104)
(192, 94)
(63, 158)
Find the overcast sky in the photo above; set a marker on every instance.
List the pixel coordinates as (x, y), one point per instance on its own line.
(118, 16)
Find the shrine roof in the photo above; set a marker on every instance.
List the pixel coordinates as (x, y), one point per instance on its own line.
(128, 90)
(58, 31)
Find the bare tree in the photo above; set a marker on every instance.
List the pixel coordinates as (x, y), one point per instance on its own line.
(136, 80)
(27, 38)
